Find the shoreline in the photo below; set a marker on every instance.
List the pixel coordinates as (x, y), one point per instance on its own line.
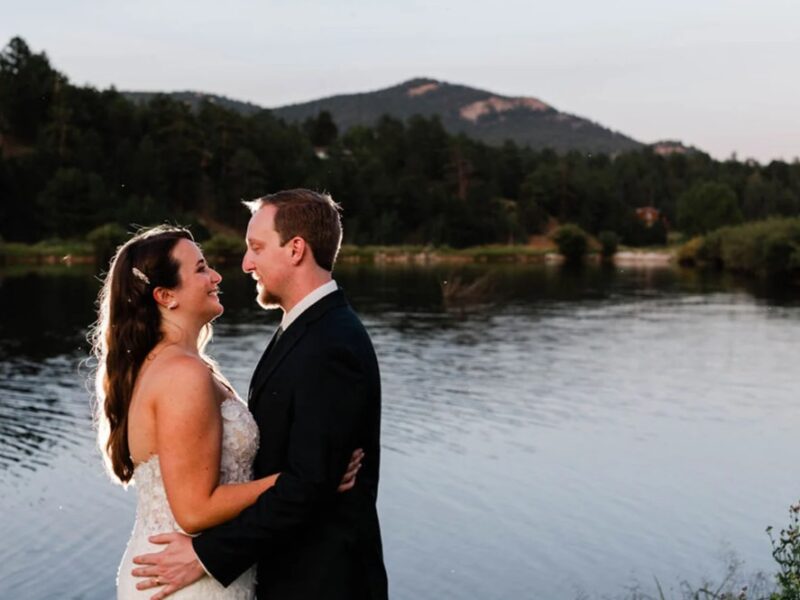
(69, 255)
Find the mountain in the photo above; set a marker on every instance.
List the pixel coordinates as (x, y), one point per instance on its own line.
(479, 114)
(194, 99)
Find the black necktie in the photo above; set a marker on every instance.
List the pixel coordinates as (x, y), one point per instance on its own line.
(278, 333)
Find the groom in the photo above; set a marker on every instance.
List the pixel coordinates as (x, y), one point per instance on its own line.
(315, 395)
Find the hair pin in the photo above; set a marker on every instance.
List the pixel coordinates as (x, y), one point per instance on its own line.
(139, 275)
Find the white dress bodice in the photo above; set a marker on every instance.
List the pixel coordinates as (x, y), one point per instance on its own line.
(153, 514)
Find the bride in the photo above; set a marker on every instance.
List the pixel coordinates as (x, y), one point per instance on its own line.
(167, 418)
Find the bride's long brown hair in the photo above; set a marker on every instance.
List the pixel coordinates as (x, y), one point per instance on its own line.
(128, 327)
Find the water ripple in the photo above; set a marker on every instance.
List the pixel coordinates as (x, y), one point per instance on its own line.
(578, 430)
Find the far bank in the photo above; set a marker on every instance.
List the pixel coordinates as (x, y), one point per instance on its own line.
(85, 253)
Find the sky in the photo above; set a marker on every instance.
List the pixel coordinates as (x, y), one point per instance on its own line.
(718, 75)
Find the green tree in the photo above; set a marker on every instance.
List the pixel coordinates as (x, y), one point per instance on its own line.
(178, 152)
(707, 206)
(244, 180)
(321, 130)
(767, 198)
(73, 202)
(541, 188)
(27, 83)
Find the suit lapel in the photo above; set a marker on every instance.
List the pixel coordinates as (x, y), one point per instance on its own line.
(278, 349)
(259, 368)
(274, 357)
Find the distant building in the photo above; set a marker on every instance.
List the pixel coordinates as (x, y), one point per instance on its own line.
(648, 215)
(669, 147)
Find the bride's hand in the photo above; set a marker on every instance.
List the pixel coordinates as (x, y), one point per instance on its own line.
(349, 479)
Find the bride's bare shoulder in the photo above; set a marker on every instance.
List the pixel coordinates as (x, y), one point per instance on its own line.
(181, 377)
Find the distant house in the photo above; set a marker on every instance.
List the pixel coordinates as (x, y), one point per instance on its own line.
(669, 147)
(666, 149)
(648, 215)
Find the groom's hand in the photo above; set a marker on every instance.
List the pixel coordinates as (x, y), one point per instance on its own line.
(175, 567)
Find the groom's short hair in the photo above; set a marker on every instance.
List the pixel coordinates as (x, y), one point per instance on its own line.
(310, 215)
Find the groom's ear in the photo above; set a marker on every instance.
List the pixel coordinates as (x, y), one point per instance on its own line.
(298, 248)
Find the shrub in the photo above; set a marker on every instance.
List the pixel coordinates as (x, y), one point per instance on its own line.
(770, 247)
(780, 253)
(688, 252)
(225, 245)
(105, 240)
(786, 552)
(609, 242)
(572, 242)
(709, 251)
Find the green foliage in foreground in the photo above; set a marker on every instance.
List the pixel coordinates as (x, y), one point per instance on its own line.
(784, 585)
(786, 551)
(770, 247)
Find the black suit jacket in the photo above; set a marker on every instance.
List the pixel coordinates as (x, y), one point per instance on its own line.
(316, 397)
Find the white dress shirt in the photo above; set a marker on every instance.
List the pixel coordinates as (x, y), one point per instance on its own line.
(304, 304)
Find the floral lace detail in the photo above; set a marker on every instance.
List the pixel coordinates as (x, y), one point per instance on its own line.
(153, 514)
(239, 446)
(239, 442)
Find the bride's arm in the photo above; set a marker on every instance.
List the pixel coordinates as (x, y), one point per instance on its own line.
(189, 439)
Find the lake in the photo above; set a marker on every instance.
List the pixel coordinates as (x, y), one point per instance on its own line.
(565, 434)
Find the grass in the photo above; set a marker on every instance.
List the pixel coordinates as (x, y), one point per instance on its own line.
(46, 251)
(416, 253)
(224, 247)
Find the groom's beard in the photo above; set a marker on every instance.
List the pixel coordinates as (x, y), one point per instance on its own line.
(266, 299)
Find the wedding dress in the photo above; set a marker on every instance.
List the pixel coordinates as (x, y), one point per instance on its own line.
(153, 514)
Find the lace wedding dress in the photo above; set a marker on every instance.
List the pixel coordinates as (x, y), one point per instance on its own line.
(153, 515)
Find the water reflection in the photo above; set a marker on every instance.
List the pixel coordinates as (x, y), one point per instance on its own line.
(45, 313)
(473, 348)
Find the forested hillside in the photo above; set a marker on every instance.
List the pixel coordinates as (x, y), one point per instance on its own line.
(74, 158)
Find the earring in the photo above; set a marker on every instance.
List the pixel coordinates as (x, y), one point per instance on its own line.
(173, 305)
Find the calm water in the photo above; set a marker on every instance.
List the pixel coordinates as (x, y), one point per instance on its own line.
(566, 436)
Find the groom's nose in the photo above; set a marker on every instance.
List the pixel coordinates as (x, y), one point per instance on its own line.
(247, 264)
